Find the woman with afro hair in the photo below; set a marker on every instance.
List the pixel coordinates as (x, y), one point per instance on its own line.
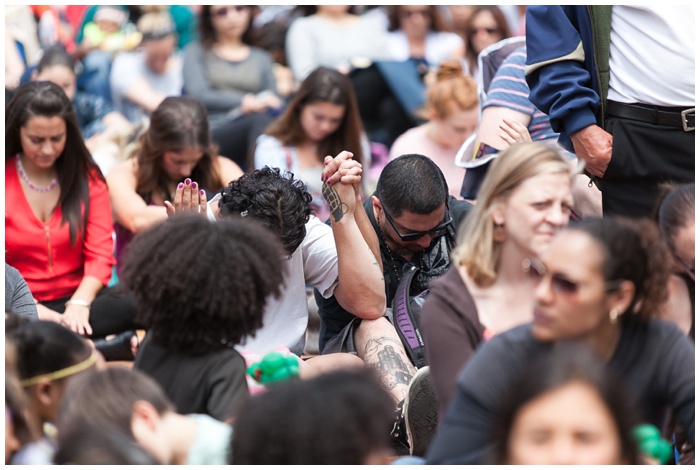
(201, 288)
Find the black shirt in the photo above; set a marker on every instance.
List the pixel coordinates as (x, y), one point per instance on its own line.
(654, 360)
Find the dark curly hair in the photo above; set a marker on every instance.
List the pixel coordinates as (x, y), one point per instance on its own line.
(338, 418)
(202, 286)
(276, 200)
(632, 250)
(550, 371)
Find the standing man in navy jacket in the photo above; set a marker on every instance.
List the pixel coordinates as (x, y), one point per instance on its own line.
(618, 83)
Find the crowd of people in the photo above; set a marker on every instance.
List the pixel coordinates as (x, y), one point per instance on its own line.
(494, 230)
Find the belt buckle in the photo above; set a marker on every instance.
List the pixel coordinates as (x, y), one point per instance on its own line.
(684, 119)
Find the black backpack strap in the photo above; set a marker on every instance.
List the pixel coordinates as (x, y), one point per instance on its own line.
(406, 317)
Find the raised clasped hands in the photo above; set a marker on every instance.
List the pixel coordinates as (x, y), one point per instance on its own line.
(342, 177)
(189, 198)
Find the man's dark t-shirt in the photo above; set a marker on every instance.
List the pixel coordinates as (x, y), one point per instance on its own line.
(432, 263)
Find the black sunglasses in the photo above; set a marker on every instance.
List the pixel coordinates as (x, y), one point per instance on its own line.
(413, 236)
(536, 271)
(222, 12)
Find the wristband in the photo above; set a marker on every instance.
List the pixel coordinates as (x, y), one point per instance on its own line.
(78, 302)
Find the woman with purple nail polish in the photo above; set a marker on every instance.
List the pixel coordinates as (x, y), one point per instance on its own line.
(174, 156)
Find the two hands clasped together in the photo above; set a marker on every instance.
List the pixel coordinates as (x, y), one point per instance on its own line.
(342, 198)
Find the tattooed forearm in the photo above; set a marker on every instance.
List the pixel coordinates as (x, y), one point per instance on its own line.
(337, 207)
(384, 356)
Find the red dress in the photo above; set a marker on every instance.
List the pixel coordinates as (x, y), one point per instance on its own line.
(42, 251)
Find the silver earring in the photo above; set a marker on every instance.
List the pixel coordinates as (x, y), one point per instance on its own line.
(613, 316)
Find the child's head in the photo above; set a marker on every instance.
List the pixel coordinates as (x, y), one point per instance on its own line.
(57, 66)
(202, 286)
(20, 425)
(566, 409)
(110, 19)
(323, 111)
(453, 103)
(48, 356)
(126, 400)
(338, 418)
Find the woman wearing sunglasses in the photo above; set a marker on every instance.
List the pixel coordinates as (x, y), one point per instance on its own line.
(600, 284)
(524, 200)
(487, 25)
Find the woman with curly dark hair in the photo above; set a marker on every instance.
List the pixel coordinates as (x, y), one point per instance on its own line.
(600, 284)
(201, 288)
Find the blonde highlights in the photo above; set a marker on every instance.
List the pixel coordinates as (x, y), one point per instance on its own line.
(476, 248)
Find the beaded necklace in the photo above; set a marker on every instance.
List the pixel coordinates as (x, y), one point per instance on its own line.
(25, 177)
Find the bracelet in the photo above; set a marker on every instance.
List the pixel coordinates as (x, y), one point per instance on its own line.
(78, 302)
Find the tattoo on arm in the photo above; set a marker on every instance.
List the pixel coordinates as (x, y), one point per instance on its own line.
(383, 354)
(337, 207)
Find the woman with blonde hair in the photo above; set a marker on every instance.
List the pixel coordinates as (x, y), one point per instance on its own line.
(452, 110)
(524, 200)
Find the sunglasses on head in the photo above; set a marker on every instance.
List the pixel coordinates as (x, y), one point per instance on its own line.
(413, 236)
(222, 12)
(490, 31)
(536, 271)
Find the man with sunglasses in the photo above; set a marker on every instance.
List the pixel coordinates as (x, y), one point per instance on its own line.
(414, 221)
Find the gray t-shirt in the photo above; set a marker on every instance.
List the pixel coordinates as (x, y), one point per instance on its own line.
(18, 298)
(221, 84)
(128, 67)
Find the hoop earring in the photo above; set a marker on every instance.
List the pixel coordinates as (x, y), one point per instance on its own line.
(499, 233)
(613, 316)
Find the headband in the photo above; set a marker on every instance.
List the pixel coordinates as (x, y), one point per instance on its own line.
(59, 374)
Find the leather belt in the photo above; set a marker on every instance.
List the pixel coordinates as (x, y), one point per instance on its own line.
(672, 117)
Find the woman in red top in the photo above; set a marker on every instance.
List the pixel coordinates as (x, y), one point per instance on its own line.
(58, 220)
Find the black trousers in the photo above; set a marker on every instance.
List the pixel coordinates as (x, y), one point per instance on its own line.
(112, 312)
(643, 156)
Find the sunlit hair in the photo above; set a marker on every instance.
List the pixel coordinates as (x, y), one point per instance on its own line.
(155, 26)
(178, 123)
(74, 166)
(452, 91)
(437, 22)
(631, 250)
(323, 85)
(476, 248)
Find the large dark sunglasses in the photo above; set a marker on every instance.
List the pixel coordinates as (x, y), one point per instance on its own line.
(413, 236)
(536, 271)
